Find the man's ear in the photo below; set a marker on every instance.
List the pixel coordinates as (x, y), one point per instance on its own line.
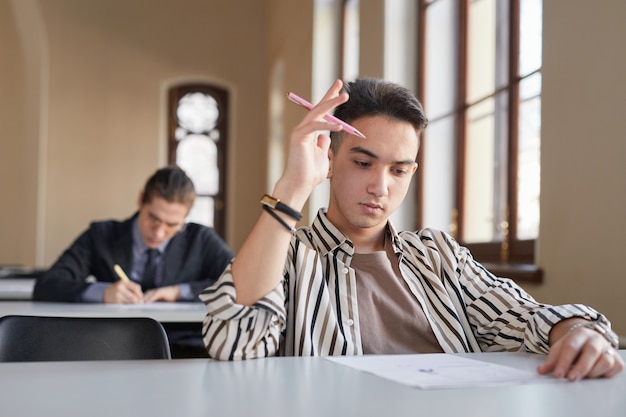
(330, 163)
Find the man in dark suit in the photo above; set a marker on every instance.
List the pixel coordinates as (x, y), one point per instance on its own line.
(164, 258)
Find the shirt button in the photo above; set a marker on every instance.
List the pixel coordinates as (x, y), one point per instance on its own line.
(350, 322)
(345, 271)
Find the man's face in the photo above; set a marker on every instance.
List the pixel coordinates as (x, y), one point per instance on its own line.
(370, 177)
(159, 220)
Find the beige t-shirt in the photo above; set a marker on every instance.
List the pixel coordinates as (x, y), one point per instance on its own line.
(391, 318)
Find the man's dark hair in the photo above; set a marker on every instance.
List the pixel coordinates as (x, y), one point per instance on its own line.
(171, 184)
(376, 97)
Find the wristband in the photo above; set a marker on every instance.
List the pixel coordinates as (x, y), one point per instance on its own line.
(276, 204)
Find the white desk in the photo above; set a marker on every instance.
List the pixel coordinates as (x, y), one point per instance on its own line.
(298, 387)
(16, 288)
(164, 312)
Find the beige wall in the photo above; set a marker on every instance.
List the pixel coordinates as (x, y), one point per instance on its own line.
(583, 179)
(11, 106)
(103, 99)
(20, 123)
(82, 116)
(289, 55)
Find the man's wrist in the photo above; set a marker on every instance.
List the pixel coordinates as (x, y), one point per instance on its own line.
(295, 197)
(604, 330)
(185, 292)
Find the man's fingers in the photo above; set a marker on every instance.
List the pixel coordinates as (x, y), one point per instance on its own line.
(150, 296)
(591, 361)
(607, 365)
(561, 357)
(583, 354)
(169, 293)
(130, 293)
(333, 98)
(567, 355)
(618, 365)
(549, 364)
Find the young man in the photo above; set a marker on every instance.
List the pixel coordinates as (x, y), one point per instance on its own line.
(351, 284)
(185, 257)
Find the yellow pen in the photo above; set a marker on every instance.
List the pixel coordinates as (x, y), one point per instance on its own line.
(120, 272)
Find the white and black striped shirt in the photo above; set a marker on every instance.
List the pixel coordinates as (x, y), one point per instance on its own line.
(314, 309)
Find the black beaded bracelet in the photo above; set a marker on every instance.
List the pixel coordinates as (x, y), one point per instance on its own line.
(277, 217)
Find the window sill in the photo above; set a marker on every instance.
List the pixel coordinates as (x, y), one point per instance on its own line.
(520, 273)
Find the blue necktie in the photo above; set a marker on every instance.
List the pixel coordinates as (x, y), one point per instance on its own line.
(148, 281)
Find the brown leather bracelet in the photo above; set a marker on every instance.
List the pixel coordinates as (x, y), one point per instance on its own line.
(275, 204)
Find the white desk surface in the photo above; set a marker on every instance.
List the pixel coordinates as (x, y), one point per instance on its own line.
(181, 312)
(298, 387)
(16, 288)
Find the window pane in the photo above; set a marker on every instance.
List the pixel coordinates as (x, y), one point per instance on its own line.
(439, 173)
(440, 58)
(485, 170)
(487, 48)
(528, 176)
(197, 112)
(197, 155)
(530, 36)
(197, 115)
(351, 40)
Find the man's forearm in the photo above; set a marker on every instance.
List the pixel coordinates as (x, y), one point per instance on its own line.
(258, 265)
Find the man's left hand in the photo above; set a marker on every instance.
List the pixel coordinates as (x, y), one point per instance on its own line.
(169, 293)
(580, 353)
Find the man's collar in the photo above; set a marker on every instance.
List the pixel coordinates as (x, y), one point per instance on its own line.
(329, 238)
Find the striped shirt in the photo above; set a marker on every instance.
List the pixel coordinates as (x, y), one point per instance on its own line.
(313, 311)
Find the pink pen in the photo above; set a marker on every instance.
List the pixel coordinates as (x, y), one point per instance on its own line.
(328, 117)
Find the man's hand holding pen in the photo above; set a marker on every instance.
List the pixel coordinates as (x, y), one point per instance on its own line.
(307, 163)
(123, 292)
(126, 291)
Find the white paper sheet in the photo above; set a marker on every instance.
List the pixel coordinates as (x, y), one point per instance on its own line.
(176, 306)
(438, 370)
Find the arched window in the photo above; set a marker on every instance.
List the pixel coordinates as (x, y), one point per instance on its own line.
(197, 142)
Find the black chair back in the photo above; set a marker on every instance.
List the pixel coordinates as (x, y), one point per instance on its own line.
(32, 338)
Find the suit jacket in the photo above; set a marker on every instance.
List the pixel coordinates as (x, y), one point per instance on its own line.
(196, 255)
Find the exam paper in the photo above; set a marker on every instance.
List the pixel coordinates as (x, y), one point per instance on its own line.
(439, 370)
(160, 305)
